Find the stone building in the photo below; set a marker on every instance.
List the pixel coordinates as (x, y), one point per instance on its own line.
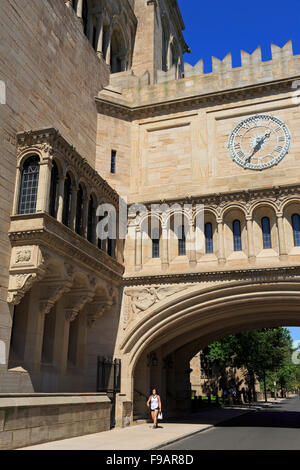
(97, 108)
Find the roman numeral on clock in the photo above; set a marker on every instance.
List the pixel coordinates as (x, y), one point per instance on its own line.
(278, 148)
(280, 138)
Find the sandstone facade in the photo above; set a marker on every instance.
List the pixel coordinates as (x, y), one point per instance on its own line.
(99, 110)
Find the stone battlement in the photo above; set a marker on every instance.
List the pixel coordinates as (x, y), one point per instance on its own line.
(136, 91)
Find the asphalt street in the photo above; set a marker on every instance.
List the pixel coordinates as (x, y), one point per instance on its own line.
(274, 428)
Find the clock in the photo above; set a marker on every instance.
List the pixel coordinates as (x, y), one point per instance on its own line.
(259, 142)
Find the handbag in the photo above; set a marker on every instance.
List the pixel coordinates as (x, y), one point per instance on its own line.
(160, 415)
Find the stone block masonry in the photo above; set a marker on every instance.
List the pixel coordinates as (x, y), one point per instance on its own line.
(29, 419)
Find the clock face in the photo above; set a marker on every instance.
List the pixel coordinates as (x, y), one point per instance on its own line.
(259, 142)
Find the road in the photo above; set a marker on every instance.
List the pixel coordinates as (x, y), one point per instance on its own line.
(275, 428)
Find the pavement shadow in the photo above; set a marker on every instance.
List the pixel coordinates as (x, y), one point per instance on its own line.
(268, 419)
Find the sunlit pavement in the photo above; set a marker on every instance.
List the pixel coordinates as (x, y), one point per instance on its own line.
(270, 426)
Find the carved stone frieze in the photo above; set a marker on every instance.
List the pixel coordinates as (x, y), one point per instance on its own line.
(142, 298)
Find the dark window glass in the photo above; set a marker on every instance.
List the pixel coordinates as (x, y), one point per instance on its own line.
(155, 248)
(237, 241)
(67, 200)
(79, 211)
(266, 232)
(29, 186)
(94, 43)
(111, 247)
(53, 190)
(91, 218)
(209, 248)
(74, 4)
(113, 161)
(296, 229)
(181, 241)
(85, 16)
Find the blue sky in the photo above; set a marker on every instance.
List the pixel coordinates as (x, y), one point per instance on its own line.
(214, 28)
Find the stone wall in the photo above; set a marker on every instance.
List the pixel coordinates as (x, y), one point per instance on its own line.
(33, 419)
(52, 75)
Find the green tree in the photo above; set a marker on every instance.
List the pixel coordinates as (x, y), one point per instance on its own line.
(258, 351)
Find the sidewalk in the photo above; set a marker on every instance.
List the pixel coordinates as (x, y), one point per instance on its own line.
(142, 436)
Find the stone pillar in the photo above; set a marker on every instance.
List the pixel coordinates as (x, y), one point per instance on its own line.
(85, 217)
(79, 8)
(42, 203)
(281, 237)
(73, 208)
(221, 257)
(17, 190)
(61, 338)
(99, 36)
(192, 245)
(108, 53)
(34, 332)
(138, 249)
(165, 251)
(60, 198)
(251, 253)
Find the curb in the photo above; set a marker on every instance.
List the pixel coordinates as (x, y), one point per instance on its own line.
(193, 433)
(179, 438)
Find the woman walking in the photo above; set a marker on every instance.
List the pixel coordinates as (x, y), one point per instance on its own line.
(155, 406)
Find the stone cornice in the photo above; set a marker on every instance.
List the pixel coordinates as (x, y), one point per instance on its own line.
(277, 193)
(253, 274)
(127, 111)
(44, 230)
(52, 142)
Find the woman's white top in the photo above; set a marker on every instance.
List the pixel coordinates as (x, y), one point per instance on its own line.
(154, 402)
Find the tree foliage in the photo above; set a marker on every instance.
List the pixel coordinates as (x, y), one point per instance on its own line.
(264, 354)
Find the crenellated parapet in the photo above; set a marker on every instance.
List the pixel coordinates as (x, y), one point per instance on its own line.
(134, 96)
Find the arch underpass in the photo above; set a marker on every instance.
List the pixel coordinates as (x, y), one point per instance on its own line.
(160, 342)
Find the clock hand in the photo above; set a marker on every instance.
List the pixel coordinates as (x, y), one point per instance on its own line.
(259, 142)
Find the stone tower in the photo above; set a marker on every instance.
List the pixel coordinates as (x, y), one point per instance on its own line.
(159, 43)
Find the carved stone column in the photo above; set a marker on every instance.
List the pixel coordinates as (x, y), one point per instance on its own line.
(73, 208)
(66, 311)
(60, 198)
(251, 253)
(99, 36)
(42, 203)
(221, 257)
(108, 53)
(192, 245)
(165, 251)
(17, 190)
(281, 237)
(79, 8)
(85, 217)
(138, 249)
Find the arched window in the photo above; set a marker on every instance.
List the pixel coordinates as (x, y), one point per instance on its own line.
(118, 52)
(91, 220)
(181, 241)
(29, 186)
(266, 232)
(209, 248)
(237, 241)
(53, 190)
(85, 14)
(296, 229)
(79, 211)
(67, 200)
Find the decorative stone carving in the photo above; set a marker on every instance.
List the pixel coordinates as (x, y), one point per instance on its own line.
(19, 284)
(143, 298)
(23, 256)
(96, 310)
